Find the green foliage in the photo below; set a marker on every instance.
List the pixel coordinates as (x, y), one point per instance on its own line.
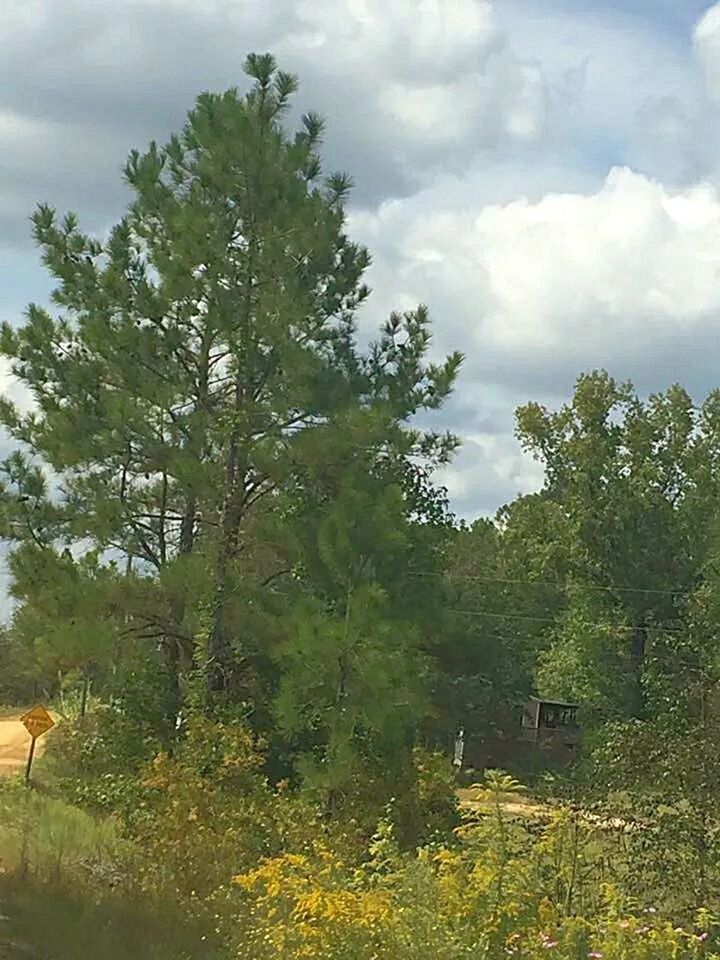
(501, 891)
(20, 674)
(69, 886)
(210, 796)
(585, 662)
(435, 806)
(221, 443)
(224, 523)
(95, 760)
(594, 572)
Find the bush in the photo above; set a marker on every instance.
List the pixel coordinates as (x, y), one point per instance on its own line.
(70, 883)
(54, 840)
(94, 762)
(426, 809)
(204, 812)
(497, 894)
(217, 853)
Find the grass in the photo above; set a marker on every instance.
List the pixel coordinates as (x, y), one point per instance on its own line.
(66, 885)
(63, 923)
(8, 711)
(49, 838)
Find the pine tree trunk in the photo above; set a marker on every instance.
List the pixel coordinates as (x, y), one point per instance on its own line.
(173, 700)
(180, 655)
(187, 527)
(219, 646)
(220, 654)
(219, 666)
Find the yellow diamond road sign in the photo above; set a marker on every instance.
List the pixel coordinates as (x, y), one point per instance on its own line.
(37, 722)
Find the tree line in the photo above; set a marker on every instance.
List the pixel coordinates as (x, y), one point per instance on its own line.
(221, 505)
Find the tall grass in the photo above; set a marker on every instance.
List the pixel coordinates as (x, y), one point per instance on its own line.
(67, 887)
(6, 710)
(52, 840)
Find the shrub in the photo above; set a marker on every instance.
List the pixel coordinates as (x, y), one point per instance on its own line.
(482, 900)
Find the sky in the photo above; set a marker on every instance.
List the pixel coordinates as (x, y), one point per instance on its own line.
(544, 174)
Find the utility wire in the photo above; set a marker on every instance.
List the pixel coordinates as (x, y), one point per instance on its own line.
(536, 619)
(547, 583)
(531, 619)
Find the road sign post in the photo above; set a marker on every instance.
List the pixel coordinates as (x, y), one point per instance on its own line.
(28, 768)
(37, 722)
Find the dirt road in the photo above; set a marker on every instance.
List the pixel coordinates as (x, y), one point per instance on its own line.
(14, 744)
(517, 806)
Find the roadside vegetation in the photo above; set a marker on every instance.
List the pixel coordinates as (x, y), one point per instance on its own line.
(242, 589)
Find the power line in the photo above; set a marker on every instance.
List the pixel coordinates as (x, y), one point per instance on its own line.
(528, 618)
(658, 656)
(554, 620)
(535, 619)
(549, 583)
(653, 654)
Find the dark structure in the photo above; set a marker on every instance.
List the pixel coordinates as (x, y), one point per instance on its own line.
(550, 720)
(545, 738)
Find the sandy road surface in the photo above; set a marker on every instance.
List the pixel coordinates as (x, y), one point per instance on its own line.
(14, 745)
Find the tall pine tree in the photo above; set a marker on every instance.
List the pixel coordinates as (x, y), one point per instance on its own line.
(192, 352)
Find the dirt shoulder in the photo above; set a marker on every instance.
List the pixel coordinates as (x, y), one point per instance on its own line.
(474, 800)
(14, 746)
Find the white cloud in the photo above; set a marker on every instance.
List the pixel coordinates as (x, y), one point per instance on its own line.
(599, 265)
(507, 100)
(403, 85)
(435, 38)
(492, 126)
(624, 276)
(412, 85)
(707, 46)
(438, 72)
(13, 390)
(489, 470)
(16, 15)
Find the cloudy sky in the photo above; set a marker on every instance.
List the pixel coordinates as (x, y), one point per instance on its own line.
(544, 174)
